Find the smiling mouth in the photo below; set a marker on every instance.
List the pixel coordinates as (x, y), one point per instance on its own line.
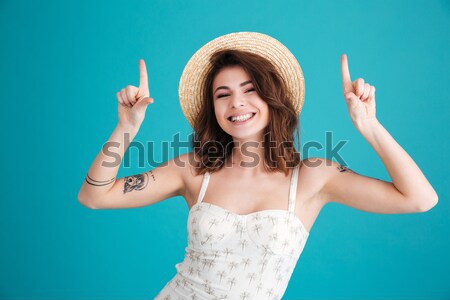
(243, 121)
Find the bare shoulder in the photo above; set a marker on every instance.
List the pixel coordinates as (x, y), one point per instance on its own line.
(313, 175)
(187, 167)
(186, 163)
(325, 169)
(321, 168)
(309, 198)
(315, 168)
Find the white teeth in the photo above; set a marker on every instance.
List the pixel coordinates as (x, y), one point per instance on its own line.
(242, 118)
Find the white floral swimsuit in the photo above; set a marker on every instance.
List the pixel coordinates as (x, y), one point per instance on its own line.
(238, 257)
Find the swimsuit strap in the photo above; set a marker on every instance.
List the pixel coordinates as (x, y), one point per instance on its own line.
(293, 188)
(204, 186)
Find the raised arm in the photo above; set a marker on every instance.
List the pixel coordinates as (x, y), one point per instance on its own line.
(100, 188)
(409, 190)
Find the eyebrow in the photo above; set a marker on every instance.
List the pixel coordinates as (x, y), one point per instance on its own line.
(223, 87)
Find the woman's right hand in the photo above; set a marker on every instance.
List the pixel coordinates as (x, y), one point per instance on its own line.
(133, 100)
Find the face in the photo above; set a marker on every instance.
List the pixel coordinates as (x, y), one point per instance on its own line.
(234, 96)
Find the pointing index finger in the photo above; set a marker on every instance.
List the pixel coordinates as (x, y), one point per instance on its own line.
(344, 71)
(143, 78)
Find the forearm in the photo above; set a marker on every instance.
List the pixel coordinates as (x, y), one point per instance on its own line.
(405, 174)
(103, 171)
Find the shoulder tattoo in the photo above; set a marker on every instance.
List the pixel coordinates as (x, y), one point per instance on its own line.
(345, 169)
(348, 170)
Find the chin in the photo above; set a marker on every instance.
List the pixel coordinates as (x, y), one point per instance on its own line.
(246, 134)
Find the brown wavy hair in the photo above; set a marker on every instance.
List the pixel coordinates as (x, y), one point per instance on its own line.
(213, 146)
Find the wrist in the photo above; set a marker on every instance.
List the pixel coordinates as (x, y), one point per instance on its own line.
(367, 124)
(127, 128)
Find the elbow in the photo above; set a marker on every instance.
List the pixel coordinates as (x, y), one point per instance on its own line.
(83, 200)
(87, 205)
(427, 203)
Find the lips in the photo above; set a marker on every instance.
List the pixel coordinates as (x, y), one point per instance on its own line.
(240, 114)
(242, 122)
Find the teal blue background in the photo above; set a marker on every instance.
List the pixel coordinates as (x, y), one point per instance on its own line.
(62, 63)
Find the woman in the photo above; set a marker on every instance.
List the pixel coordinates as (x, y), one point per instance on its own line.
(252, 200)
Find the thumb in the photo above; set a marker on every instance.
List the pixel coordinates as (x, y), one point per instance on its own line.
(351, 98)
(143, 103)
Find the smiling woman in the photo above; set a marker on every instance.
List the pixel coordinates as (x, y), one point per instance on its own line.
(248, 87)
(248, 222)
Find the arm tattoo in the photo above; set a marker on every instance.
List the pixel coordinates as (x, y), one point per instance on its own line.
(94, 182)
(136, 182)
(151, 173)
(345, 169)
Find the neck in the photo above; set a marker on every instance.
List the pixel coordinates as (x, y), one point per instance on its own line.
(248, 156)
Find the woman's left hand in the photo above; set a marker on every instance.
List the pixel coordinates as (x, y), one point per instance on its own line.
(360, 96)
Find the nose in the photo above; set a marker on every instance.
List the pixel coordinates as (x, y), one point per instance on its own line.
(238, 100)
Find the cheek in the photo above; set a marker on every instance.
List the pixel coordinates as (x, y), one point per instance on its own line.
(219, 112)
(264, 109)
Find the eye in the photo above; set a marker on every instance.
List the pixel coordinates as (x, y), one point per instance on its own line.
(224, 95)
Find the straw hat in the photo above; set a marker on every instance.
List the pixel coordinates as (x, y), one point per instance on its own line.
(195, 71)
